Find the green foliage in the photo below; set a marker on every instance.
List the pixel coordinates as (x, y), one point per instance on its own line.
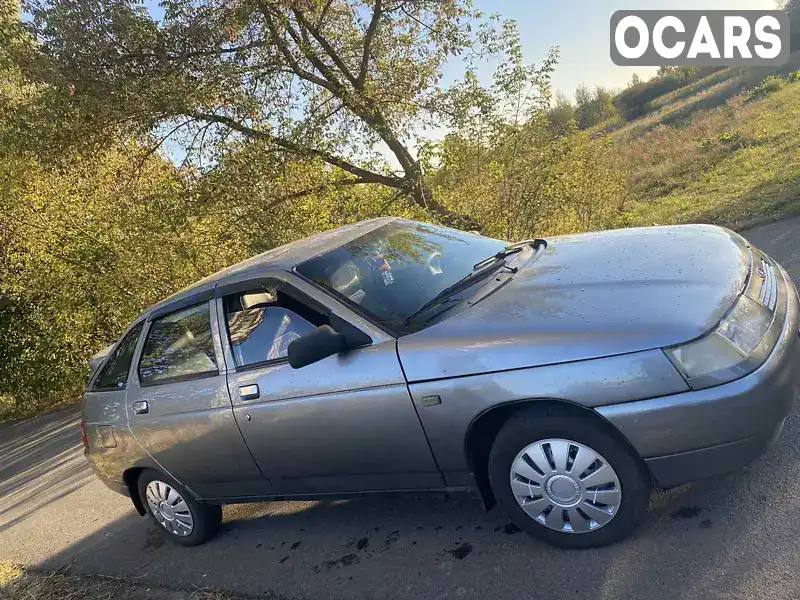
(732, 138)
(327, 80)
(562, 116)
(735, 164)
(770, 85)
(524, 184)
(593, 107)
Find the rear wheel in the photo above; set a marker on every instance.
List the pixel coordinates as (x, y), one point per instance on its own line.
(181, 518)
(567, 481)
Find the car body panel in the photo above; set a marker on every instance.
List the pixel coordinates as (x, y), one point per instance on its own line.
(582, 322)
(588, 296)
(343, 424)
(748, 408)
(191, 433)
(108, 409)
(588, 383)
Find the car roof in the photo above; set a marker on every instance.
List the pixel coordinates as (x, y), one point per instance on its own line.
(282, 258)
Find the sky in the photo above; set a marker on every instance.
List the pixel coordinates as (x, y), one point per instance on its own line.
(581, 29)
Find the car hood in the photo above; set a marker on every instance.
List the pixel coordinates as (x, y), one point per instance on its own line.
(588, 296)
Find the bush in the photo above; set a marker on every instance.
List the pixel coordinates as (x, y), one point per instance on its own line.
(520, 186)
(770, 85)
(593, 107)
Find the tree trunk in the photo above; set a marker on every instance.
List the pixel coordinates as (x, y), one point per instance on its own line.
(423, 197)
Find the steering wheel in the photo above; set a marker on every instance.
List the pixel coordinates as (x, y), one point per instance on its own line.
(434, 264)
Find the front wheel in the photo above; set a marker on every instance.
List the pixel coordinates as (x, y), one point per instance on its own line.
(567, 481)
(184, 520)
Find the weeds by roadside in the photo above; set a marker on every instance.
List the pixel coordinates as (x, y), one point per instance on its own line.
(17, 583)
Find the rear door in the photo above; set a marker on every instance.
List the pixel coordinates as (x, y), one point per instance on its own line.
(104, 408)
(344, 424)
(179, 408)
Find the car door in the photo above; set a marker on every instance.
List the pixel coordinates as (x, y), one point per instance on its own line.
(178, 404)
(344, 424)
(104, 414)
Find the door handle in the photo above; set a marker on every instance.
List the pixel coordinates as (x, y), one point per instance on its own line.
(140, 408)
(249, 392)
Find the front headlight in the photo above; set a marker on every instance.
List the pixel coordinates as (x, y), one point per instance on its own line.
(723, 354)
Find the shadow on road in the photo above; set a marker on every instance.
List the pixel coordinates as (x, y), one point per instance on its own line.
(41, 460)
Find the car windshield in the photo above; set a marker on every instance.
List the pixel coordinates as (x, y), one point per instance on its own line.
(396, 269)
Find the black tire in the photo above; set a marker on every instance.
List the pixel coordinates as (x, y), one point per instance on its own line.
(531, 425)
(207, 517)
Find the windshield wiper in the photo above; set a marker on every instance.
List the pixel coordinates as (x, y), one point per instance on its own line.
(508, 251)
(458, 286)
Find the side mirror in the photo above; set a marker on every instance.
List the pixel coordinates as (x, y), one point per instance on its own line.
(322, 343)
(314, 346)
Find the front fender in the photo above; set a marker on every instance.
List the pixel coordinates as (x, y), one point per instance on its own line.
(589, 383)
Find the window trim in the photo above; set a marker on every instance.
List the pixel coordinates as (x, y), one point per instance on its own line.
(177, 307)
(179, 378)
(260, 365)
(180, 304)
(300, 289)
(246, 286)
(96, 377)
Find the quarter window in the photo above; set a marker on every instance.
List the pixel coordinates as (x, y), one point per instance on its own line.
(261, 325)
(114, 375)
(179, 346)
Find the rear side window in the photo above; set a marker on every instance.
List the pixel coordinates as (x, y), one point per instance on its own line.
(114, 375)
(179, 346)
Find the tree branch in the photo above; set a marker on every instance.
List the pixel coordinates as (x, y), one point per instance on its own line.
(329, 50)
(316, 190)
(363, 174)
(323, 12)
(280, 43)
(186, 55)
(331, 82)
(373, 26)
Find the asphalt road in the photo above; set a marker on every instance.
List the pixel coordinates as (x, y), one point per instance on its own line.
(736, 536)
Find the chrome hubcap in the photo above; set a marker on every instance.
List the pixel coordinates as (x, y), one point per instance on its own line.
(565, 485)
(169, 508)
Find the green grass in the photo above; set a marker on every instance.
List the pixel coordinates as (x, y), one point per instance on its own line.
(709, 155)
(683, 105)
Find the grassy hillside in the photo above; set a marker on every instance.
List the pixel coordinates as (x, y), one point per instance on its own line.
(725, 149)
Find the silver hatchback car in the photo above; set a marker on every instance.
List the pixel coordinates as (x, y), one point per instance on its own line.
(562, 379)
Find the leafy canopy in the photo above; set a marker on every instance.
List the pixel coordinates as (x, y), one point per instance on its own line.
(328, 80)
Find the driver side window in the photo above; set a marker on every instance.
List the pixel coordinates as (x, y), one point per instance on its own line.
(262, 322)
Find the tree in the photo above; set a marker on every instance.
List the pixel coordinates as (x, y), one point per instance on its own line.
(562, 115)
(327, 80)
(593, 107)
